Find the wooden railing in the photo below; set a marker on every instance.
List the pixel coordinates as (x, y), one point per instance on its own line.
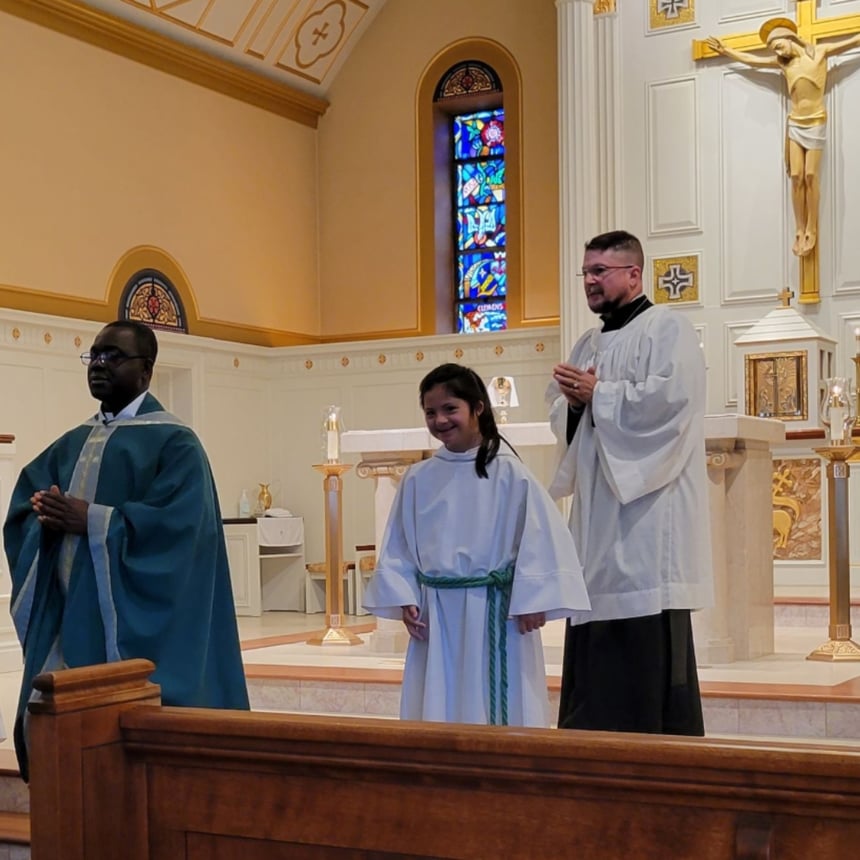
(115, 775)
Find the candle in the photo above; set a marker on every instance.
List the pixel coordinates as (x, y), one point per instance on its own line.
(332, 445)
(857, 338)
(837, 424)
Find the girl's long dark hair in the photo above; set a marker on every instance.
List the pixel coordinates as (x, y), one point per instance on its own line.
(464, 384)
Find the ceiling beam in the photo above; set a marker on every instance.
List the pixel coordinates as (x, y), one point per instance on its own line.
(167, 55)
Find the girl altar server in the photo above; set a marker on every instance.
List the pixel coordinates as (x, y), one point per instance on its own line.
(475, 559)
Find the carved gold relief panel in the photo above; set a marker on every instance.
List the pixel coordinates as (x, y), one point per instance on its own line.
(776, 385)
(797, 523)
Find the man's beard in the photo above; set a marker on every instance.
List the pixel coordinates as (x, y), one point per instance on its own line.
(607, 307)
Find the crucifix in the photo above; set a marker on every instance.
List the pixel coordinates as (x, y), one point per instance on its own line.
(792, 48)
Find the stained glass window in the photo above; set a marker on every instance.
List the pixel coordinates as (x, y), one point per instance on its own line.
(149, 297)
(466, 79)
(481, 271)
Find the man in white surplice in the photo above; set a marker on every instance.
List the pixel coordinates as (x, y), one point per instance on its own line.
(628, 409)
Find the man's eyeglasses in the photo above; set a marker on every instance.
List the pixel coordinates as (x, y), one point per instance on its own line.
(600, 272)
(111, 357)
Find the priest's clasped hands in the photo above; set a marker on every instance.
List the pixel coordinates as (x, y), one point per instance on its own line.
(576, 385)
(59, 511)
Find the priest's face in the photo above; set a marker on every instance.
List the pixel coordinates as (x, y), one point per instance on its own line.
(612, 279)
(451, 420)
(117, 372)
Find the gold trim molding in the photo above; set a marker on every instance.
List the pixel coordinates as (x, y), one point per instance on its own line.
(106, 31)
(604, 7)
(135, 259)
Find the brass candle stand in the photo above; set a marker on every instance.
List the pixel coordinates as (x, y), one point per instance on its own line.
(335, 633)
(840, 647)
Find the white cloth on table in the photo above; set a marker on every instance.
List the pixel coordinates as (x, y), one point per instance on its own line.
(446, 521)
(280, 531)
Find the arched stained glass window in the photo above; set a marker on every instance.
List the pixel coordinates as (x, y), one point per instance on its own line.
(149, 297)
(481, 270)
(470, 190)
(477, 158)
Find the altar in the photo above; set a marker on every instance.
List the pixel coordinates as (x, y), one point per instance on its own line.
(738, 449)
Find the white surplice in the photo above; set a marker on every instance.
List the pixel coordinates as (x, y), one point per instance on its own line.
(446, 521)
(636, 468)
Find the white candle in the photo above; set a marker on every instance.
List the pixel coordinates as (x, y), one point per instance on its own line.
(332, 445)
(837, 423)
(857, 338)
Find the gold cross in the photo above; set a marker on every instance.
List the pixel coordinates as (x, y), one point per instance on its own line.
(785, 297)
(810, 28)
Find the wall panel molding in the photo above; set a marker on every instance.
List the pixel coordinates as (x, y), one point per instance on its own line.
(672, 142)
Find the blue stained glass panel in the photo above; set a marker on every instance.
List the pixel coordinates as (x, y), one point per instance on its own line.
(480, 182)
(481, 316)
(481, 227)
(482, 275)
(479, 135)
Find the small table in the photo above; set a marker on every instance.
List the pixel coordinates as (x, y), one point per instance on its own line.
(267, 563)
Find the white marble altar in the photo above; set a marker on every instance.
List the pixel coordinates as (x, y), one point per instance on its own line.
(740, 625)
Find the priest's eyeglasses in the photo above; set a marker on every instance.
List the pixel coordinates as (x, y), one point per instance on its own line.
(600, 272)
(111, 357)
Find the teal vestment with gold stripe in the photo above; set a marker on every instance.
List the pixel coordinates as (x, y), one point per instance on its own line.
(149, 579)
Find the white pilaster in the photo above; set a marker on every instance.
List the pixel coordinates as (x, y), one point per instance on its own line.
(579, 163)
(608, 121)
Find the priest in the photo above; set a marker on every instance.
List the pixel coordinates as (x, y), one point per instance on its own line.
(116, 546)
(628, 408)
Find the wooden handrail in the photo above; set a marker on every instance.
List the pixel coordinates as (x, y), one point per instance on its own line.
(125, 778)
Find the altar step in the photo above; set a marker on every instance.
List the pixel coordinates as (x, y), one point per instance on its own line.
(780, 695)
(730, 710)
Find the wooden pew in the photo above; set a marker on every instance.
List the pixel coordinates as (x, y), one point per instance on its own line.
(115, 775)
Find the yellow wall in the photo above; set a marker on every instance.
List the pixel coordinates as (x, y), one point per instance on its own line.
(278, 228)
(368, 158)
(100, 154)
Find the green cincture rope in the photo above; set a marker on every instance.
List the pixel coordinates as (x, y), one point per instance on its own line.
(498, 584)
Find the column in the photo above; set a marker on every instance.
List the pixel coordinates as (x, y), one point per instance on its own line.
(390, 637)
(589, 183)
(714, 643)
(740, 624)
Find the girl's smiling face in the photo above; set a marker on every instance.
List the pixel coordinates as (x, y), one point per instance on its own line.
(450, 420)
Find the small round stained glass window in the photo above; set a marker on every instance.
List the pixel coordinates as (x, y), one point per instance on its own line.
(149, 297)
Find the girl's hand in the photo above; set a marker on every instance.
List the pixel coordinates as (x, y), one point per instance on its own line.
(531, 621)
(416, 629)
